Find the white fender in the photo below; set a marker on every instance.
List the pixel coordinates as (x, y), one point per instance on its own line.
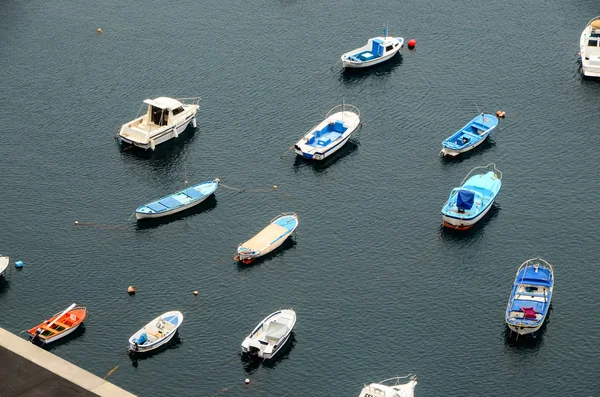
(152, 146)
(194, 122)
(175, 134)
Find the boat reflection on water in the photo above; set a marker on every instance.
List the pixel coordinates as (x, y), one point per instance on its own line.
(382, 70)
(206, 206)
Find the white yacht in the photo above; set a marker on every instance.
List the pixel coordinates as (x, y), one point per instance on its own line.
(391, 387)
(589, 48)
(270, 334)
(166, 118)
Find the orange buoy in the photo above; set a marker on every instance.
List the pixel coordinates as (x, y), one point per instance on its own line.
(131, 289)
(412, 43)
(500, 114)
(99, 30)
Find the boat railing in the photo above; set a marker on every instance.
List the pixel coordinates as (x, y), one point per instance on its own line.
(344, 107)
(396, 379)
(190, 101)
(532, 262)
(482, 170)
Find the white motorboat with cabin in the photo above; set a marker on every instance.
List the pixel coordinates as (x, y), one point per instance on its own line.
(270, 334)
(377, 50)
(391, 387)
(165, 119)
(589, 47)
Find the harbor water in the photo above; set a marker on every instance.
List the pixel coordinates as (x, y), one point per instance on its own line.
(379, 288)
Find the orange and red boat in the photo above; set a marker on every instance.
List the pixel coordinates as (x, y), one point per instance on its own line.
(59, 325)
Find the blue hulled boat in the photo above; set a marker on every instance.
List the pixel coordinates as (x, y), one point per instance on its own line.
(470, 136)
(530, 297)
(470, 202)
(178, 201)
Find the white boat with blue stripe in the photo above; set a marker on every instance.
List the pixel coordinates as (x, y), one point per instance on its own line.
(271, 237)
(178, 201)
(469, 202)
(530, 297)
(470, 136)
(377, 50)
(331, 134)
(270, 335)
(156, 333)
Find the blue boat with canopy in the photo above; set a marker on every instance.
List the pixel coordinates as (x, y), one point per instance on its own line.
(471, 135)
(469, 202)
(178, 201)
(530, 297)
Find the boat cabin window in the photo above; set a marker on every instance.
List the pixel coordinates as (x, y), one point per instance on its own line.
(177, 111)
(159, 116)
(389, 48)
(593, 43)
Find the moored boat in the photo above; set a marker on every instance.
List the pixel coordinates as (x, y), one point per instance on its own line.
(470, 136)
(178, 201)
(530, 297)
(4, 260)
(391, 387)
(270, 335)
(165, 118)
(156, 333)
(59, 325)
(377, 50)
(331, 134)
(589, 48)
(268, 239)
(469, 202)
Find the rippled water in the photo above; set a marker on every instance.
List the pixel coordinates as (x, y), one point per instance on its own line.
(379, 288)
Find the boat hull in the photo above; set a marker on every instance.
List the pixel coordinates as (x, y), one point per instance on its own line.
(161, 137)
(140, 215)
(360, 65)
(247, 257)
(524, 330)
(590, 67)
(142, 349)
(285, 316)
(150, 328)
(327, 153)
(62, 335)
(464, 224)
(453, 152)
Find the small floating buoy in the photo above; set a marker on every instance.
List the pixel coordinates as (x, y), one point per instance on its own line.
(195, 292)
(412, 43)
(131, 290)
(274, 186)
(500, 114)
(76, 222)
(18, 264)
(218, 180)
(99, 30)
(246, 381)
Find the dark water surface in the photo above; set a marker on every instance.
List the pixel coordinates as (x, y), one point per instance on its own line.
(379, 288)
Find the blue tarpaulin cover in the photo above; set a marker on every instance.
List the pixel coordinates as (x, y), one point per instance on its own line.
(465, 199)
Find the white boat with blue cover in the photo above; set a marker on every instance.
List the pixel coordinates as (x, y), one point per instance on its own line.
(270, 335)
(469, 202)
(166, 118)
(178, 201)
(156, 333)
(268, 239)
(471, 135)
(589, 48)
(530, 297)
(393, 387)
(3, 264)
(331, 134)
(376, 51)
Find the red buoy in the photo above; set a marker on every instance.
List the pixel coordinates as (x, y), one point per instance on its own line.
(412, 43)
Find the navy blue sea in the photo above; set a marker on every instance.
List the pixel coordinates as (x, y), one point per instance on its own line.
(379, 288)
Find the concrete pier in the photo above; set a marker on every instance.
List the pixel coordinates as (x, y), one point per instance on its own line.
(27, 370)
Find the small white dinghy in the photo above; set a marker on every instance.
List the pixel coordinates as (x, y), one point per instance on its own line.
(3, 264)
(391, 387)
(270, 334)
(166, 118)
(329, 135)
(156, 333)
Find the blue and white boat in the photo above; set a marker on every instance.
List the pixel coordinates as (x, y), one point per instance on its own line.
(268, 239)
(178, 201)
(156, 333)
(331, 134)
(471, 135)
(530, 297)
(469, 202)
(377, 50)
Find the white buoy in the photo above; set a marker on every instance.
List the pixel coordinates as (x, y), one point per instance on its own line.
(194, 122)
(246, 381)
